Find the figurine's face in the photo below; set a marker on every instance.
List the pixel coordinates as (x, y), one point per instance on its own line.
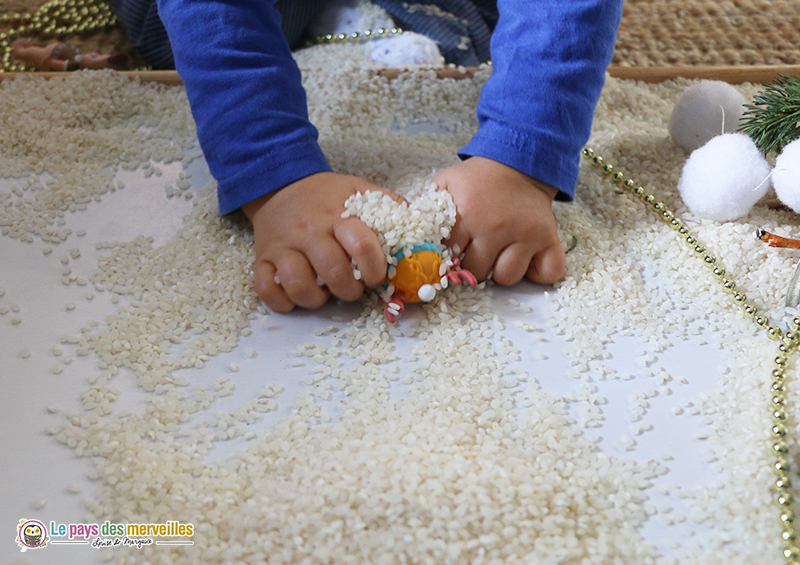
(32, 534)
(416, 275)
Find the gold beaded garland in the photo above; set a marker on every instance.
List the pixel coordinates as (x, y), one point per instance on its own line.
(774, 332)
(789, 343)
(355, 36)
(53, 19)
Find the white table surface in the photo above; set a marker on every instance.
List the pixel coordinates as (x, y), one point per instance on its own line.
(35, 466)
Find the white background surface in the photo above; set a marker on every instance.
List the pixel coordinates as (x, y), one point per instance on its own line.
(34, 465)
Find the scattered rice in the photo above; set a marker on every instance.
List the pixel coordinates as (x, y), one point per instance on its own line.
(468, 466)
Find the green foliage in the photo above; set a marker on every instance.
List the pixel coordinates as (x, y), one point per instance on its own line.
(773, 120)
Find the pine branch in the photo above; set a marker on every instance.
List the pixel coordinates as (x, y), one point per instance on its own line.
(773, 120)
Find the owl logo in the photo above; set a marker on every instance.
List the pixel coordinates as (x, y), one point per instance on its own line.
(31, 534)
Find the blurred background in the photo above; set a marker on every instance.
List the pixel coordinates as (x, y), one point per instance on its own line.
(653, 32)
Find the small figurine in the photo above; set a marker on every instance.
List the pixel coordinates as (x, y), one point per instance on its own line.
(419, 276)
(776, 240)
(411, 233)
(793, 292)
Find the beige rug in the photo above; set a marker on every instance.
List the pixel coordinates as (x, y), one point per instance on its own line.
(708, 32)
(653, 32)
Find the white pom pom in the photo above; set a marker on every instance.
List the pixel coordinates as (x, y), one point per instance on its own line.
(724, 179)
(786, 176)
(698, 113)
(426, 292)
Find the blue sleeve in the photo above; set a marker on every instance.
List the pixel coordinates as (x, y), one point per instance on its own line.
(549, 60)
(246, 96)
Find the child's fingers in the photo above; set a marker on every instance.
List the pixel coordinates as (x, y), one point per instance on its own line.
(361, 243)
(299, 280)
(512, 263)
(332, 264)
(548, 266)
(479, 258)
(271, 292)
(459, 236)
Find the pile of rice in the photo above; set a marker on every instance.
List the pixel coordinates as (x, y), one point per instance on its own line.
(423, 443)
(426, 216)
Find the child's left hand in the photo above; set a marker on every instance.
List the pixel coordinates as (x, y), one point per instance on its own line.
(505, 222)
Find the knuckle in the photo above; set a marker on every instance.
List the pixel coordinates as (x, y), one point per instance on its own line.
(506, 277)
(554, 273)
(552, 267)
(374, 277)
(494, 223)
(339, 279)
(317, 300)
(480, 272)
(274, 298)
(337, 274)
(349, 293)
(295, 287)
(263, 287)
(305, 293)
(362, 246)
(279, 305)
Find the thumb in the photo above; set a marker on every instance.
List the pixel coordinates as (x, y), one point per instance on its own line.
(459, 234)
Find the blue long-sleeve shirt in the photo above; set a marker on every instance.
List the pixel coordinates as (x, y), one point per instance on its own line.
(548, 56)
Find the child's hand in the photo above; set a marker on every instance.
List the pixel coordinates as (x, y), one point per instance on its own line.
(505, 222)
(300, 234)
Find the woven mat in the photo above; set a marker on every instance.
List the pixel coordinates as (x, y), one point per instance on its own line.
(653, 32)
(709, 32)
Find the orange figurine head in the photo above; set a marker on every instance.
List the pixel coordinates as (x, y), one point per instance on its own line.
(416, 274)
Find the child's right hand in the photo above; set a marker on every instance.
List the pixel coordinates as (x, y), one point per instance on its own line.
(505, 222)
(300, 234)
